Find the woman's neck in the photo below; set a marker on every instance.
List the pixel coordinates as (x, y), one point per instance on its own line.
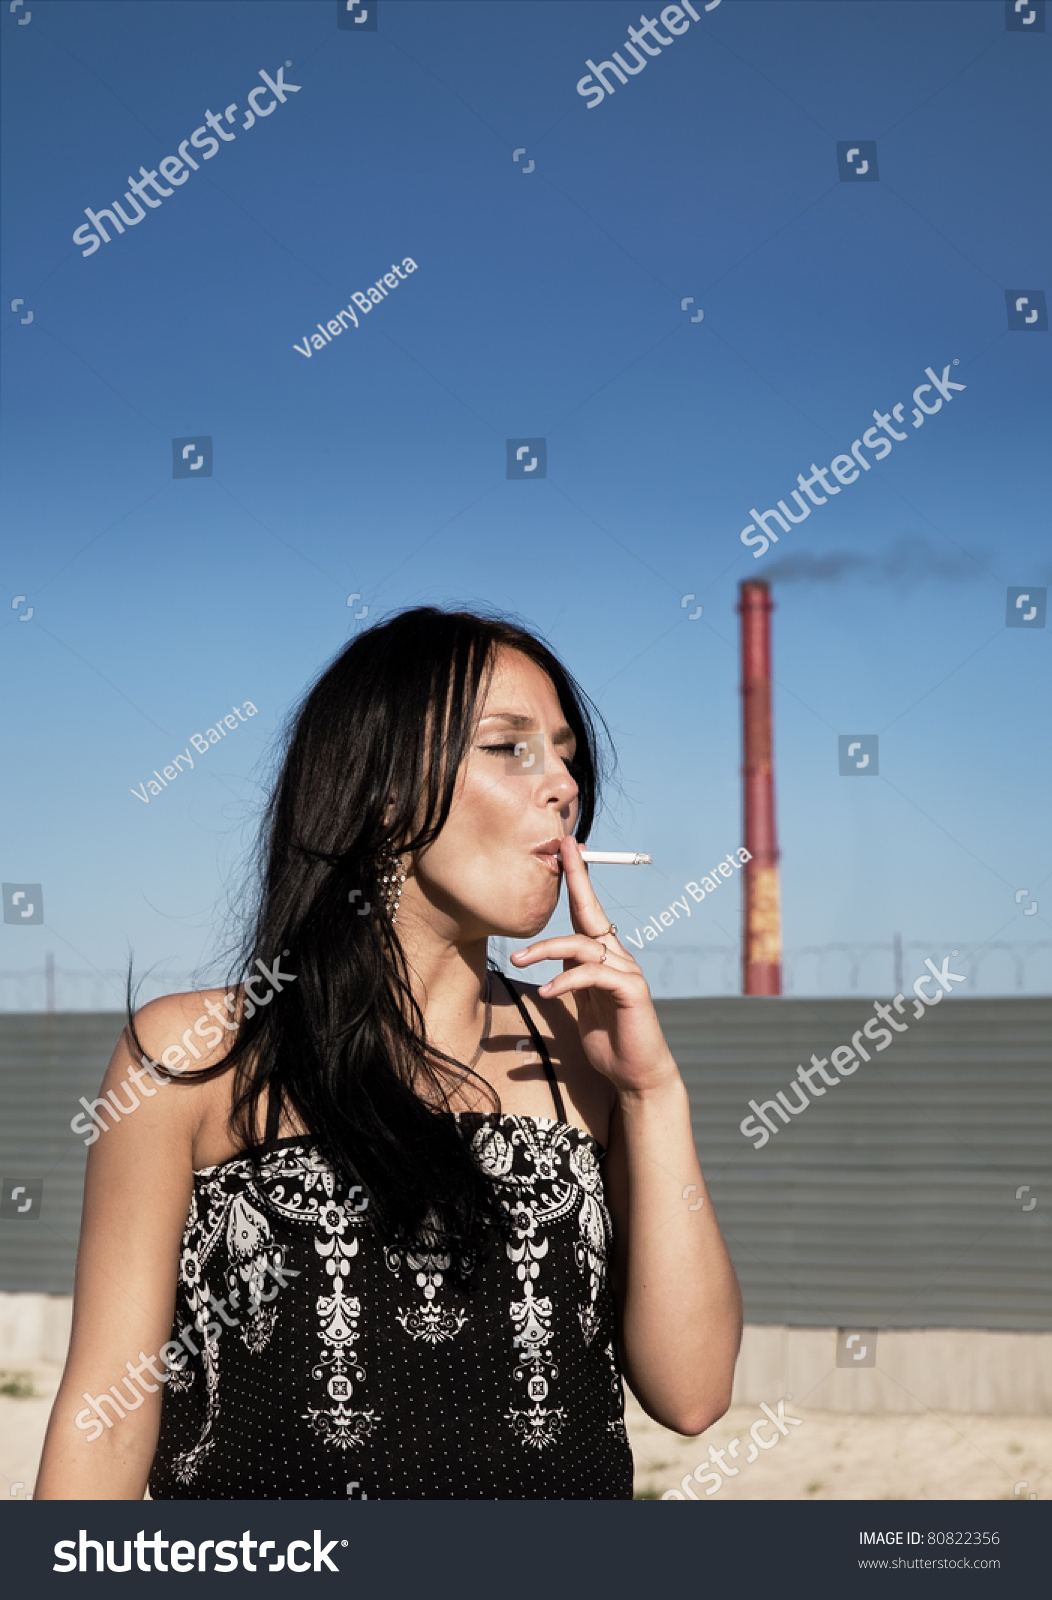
(449, 985)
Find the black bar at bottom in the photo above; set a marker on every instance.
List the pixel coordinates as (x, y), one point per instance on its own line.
(535, 1550)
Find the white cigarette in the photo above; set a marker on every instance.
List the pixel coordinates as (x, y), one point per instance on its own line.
(616, 858)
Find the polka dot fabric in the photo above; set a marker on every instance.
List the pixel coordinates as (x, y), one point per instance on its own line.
(328, 1365)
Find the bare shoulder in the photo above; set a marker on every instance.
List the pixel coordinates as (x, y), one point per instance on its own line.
(586, 1090)
(185, 1034)
(140, 1130)
(188, 1028)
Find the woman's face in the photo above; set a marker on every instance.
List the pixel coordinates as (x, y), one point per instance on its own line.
(494, 868)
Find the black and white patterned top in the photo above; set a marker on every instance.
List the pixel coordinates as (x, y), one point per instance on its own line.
(336, 1367)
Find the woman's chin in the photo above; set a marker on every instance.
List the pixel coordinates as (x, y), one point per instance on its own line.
(529, 921)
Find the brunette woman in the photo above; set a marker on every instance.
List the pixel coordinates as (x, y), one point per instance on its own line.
(384, 1222)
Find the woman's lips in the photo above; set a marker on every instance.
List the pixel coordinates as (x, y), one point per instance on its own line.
(548, 855)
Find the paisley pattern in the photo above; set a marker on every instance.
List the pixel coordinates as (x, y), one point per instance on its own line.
(229, 1227)
(429, 1320)
(539, 1197)
(344, 1366)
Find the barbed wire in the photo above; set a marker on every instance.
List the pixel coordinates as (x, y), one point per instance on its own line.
(678, 971)
(839, 968)
(52, 988)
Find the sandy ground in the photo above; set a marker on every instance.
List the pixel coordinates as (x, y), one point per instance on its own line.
(828, 1456)
(832, 1455)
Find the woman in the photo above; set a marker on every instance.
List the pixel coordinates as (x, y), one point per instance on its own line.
(380, 1222)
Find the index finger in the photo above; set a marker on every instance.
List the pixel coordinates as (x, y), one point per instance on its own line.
(586, 912)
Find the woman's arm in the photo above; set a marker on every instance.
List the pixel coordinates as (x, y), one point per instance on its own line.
(136, 1197)
(678, 1297)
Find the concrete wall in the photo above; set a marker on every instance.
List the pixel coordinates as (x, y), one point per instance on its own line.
(34, 1328)
(917, 1369)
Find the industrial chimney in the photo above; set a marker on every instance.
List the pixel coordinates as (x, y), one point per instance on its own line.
(762, 930)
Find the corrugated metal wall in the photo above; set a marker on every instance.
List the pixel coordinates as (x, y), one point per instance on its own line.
(46, 1063)
(890, 1202)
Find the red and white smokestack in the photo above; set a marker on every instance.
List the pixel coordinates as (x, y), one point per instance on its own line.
(762, 931)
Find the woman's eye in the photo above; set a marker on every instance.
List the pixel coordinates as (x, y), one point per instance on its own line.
(516, 749)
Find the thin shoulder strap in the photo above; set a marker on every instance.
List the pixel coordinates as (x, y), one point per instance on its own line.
(273, 1115)
(538, 1044)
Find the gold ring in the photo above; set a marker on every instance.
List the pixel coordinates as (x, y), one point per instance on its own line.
(612, 929)
(602, 958)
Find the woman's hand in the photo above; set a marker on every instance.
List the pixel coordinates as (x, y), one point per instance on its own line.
(679, 1308)
(620, 1031)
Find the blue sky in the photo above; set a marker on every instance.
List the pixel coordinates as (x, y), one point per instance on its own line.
(546, 304)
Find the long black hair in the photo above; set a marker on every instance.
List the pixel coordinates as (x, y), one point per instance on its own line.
(369, 766)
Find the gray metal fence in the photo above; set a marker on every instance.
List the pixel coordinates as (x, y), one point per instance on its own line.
(916, 1193)
(893, 1200)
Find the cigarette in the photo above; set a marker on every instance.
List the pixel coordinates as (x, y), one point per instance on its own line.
(616, 858)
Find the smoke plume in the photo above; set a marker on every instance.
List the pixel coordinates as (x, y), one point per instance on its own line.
(904, 565)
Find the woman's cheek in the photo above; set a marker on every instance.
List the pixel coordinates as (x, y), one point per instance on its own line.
(506, 797)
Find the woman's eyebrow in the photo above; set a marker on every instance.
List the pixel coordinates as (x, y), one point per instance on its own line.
(515, 719)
